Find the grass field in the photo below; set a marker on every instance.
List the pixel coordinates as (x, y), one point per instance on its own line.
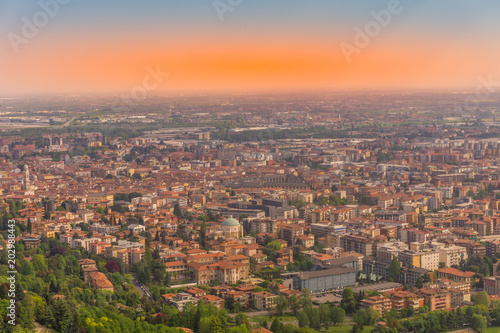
(492, 330)
(270, 319)
(332, 329)
(346, 329)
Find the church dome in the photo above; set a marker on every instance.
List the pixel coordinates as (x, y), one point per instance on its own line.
(230, 222)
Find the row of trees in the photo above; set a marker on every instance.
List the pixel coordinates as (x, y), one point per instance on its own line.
(307, 315)
(322, 316)
(478, 316)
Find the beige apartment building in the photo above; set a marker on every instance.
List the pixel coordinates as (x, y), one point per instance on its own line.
(378, 303)
(264, 300)
(176, 268)
(452, 255)
(130, 257)
(226, 272)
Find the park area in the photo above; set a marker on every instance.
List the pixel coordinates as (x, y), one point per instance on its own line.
(347, 328)
(290, 319)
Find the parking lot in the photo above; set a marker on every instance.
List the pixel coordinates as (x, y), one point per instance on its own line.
(336, 296)
(329, 297)
(383, 286)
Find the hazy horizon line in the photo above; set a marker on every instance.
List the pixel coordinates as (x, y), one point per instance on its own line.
(243, 92)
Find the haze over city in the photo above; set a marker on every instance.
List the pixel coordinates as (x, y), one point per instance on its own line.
(249, 166)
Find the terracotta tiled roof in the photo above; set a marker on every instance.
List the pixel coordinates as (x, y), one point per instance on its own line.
(456, 272)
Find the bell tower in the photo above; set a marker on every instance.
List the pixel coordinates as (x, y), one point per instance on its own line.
(26, 178)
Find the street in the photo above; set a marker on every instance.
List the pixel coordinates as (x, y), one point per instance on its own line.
(142, 289)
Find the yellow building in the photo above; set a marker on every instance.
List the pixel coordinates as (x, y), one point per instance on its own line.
(412, 218)
(98, 198)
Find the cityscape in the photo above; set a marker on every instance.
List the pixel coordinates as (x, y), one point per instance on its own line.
(249, 182)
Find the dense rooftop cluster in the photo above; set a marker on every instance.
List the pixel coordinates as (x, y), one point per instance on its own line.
(244, 218)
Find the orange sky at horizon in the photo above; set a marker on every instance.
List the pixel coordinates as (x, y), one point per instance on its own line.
(243, 64)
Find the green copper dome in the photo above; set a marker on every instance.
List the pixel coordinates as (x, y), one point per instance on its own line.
(230, 221)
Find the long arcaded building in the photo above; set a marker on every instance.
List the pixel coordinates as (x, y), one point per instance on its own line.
(328, 279)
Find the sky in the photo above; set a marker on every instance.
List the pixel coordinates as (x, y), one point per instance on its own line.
(246, 45)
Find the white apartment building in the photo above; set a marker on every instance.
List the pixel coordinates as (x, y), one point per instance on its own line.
(389, 250)
(429, 259)
(85, 243)
(136, 228)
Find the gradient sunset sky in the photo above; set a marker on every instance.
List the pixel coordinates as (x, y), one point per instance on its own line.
(105, 46)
